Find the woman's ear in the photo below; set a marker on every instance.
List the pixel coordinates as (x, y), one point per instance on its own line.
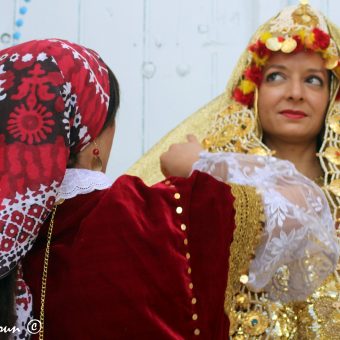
(104, 142)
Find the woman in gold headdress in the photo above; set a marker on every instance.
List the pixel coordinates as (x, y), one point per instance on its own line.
(282, 100)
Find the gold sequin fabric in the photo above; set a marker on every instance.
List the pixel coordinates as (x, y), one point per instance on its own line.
(319, 316)
(252, 315)
(249, 219)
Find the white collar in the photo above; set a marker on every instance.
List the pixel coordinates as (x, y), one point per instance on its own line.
(82, 181)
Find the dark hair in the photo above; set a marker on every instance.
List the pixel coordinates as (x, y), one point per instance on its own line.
(320, 136)
(111, 112)
(7, 302)
(114, 100)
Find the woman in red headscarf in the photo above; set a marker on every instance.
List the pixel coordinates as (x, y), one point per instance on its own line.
(121, 260)
(54, 99)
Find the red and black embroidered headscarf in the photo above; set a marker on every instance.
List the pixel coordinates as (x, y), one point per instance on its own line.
(54, 96)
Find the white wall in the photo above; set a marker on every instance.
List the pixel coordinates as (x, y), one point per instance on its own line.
(170, 56)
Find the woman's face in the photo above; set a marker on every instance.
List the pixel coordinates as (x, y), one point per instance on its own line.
(293, 97)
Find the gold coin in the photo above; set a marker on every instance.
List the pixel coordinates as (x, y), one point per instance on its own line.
(331, 62)
(333, 155)
(306, 18)
(334, 187)
(289, 45)
(206, 143)
(273, 44)
(334, 123)
(242, 300)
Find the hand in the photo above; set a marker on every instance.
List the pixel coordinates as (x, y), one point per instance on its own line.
(178, 160)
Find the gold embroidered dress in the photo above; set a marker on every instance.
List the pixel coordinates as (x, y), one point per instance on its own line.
(230, 123)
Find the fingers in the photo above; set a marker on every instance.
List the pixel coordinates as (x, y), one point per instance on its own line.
(192, 139)
(163, 160)
(164, 171)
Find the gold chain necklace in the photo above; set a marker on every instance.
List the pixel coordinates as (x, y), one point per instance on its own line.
(45, 269)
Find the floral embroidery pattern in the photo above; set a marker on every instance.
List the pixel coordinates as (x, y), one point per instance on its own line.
(35, 86)
(30, 125)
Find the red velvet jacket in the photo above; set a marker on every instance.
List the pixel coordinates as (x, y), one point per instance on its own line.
(126, 263)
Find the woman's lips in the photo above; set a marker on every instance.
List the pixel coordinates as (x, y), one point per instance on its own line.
(293, 114)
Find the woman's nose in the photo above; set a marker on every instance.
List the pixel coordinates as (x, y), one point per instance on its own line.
(295, 90)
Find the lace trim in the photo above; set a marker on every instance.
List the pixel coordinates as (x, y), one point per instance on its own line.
(82, 181)
(298, 248)
(249, 220)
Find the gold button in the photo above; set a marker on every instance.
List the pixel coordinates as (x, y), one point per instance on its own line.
(187, 255)
(195, 317)
(179, 210)
(189, 270)
(183, 227)
(177, 196)
(186, 241)
(191, 285)
(193, 301)
(197, 331)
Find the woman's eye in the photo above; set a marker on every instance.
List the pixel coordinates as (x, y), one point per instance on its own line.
(314, 80)
(275, 76)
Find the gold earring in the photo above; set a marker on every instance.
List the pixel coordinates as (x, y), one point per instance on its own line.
(96, 163)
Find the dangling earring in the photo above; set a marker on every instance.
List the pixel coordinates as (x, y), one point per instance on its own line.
(96, 163)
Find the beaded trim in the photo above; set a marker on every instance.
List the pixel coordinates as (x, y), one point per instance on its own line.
(249, 220)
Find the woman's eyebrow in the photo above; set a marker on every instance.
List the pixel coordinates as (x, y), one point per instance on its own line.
(317, 70)
(282, 67)
(279, 66)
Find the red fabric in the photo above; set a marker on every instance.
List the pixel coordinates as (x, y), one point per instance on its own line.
(118, 267)
(54, 95)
